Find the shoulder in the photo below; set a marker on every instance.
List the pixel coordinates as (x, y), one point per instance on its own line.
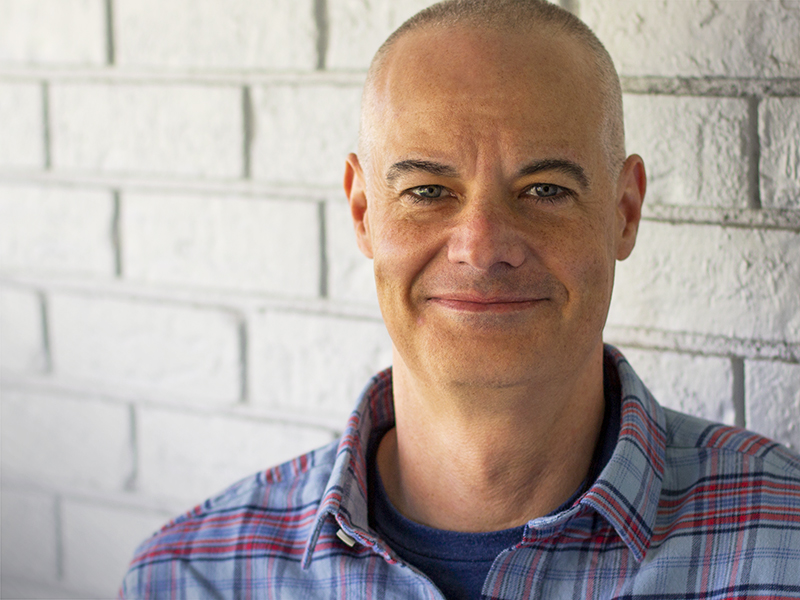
(715, 471)
(729, 446)
(269, 513)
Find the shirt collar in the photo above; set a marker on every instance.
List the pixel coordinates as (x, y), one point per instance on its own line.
(626, 492)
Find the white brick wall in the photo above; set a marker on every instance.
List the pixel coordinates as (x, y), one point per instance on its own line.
(64, 441)
(665, 129)
(190, 130)
(22, 342)
(182, 299)
(29, 540)
(301, 138)
(190, 457)
(58, 32)
(315, 363)
(773, 389)
(695, 38)
(729, 281)
(779, 128)
(186, 240)
(99, 541)
(698, 385)
(351, 277)
(216, 34)
(56, 230)
(358, 28)
(158, 349)
(21, 106)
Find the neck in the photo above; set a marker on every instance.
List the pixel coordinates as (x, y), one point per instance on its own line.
(489, 459)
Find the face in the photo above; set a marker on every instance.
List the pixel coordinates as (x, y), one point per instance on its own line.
(488, 207)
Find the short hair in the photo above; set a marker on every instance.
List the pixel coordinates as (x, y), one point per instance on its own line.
(513, 16)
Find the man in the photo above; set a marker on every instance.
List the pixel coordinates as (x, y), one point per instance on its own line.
(507, 453)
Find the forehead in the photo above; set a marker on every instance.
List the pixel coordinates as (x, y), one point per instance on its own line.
(465, 89)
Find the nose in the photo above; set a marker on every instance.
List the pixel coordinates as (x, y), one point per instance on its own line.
(486, 234)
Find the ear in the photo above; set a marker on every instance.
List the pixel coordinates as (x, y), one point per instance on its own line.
(631, 187)
(355, 189)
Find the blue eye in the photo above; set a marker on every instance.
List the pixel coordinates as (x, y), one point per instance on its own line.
(547, 190)
(428, 192)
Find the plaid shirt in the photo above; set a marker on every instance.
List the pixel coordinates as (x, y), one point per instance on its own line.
(683, 509)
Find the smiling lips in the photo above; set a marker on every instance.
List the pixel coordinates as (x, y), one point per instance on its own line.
(478, 304)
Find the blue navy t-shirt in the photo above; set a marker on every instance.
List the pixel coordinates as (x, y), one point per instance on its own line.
(458, 562)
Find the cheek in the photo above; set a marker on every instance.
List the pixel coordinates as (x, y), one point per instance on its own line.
(401, 250)
(585, 265)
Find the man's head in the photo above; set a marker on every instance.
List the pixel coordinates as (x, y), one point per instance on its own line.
(494, 196)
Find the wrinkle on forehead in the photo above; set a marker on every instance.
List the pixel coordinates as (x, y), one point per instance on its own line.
(490, 85)
(462, 65)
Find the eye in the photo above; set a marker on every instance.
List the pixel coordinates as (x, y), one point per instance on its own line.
(427, 193)
(548, 191)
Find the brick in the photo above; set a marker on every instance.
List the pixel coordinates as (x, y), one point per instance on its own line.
(752, 38)
(351, 274)
(29, 539)
(239, 243)
(779, 132)
(56, 230)
(22, 125)
(190, 457)
(188, 130)
(303, 133)
(61, 441)
(58, 32)
(168, 351)
(216, 34)
(315, 362)
(772, 400)
(692, 147)
(698, 385)
(99, 542)
(358, 28)
(22, 348)
(711, 280)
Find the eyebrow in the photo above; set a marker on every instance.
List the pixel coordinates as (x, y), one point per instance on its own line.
(557, 164)
(434, 168)
(412, 165)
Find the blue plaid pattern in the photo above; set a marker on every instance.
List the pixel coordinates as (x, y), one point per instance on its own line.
(684, 509)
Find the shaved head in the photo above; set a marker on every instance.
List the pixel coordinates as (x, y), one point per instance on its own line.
(527, 17)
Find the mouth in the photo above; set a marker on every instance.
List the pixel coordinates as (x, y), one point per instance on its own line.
(467, 303)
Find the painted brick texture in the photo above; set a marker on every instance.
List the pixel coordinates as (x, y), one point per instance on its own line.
(159, 349)
(689, 38)
(182, 301)
(185, 240)
(216, 34)
(54, 32)
(56, 230)
(22, 327)
(22, 126)
(189, 130)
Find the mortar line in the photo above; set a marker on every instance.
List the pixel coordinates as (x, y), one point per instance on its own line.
(754, 154)
(46, 348)
(738, 392)
(323, 250)
(110, 48)
(130, 483)
(48, 161)
(247, 133)
(321, 22)
(116, 233)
